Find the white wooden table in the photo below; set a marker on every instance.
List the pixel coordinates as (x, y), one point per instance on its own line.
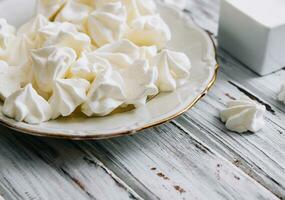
(192, 157)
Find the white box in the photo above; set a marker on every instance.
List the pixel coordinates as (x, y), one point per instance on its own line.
(253, 31)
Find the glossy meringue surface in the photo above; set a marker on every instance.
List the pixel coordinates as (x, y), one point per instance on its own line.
(93, 57)
(243, 115)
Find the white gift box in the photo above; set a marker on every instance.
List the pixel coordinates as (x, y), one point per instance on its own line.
(253, 31)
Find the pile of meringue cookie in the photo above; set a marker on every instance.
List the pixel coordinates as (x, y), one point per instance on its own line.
(89, 56)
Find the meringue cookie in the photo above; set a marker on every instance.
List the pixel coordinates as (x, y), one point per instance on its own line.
(149, 30)
(88, 66)
(243, 115)
(7, 36)
(75, 13)
(50, 8)
(26, 105)
(50, 64)
(148, 52)
(67, 95)
(31, 31)
(11, 79)
(135, 8)
(108, 23)
(173, 69)
(75, 40)
(120, 54)
(281, 96)
(139, 83)
(105, 95)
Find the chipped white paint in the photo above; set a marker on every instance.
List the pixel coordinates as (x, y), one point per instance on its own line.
(192, 157)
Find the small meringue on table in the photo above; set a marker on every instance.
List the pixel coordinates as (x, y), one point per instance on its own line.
(26, 105)
(108, 23)
(50, 64)
(173, 69)
(67, 95)
(243, 115)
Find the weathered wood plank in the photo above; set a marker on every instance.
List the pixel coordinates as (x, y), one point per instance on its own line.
(31, 169)
(160, 159)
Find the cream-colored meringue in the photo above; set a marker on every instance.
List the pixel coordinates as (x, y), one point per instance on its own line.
(120, 54)
(105, 95)
(88, 66)
(148, 31)
(31, 31)
(135, 8)
(7, 36)
(26, 105)
(139, 83)
(75, 40)
(50, 64)
(54, 28)
(108, 23)
(50, 8)
(11, 79)
(75, 13)
(281, 96)
(148, 52)
(173, 69)
(67, 95)
(243, 115)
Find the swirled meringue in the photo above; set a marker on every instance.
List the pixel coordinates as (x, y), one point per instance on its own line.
(243, 115)
(50, 64)
(139, 83)
(148, 52)
(108, 23)
(120, 54)
(148, 31)
(173, 69)
(135, 8)
(31, 31)
(7, 36)
(75, 13)
(281, 96)
(67, 95)
(88, 66)
(11, 79)
(105, 95)
(77, 41)
(50, 8)
(26, 105)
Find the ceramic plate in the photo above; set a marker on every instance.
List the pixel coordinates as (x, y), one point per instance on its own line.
(186, 37)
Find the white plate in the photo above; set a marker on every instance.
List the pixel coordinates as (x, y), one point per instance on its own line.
(188, 38)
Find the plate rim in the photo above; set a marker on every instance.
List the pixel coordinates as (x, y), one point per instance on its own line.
(135, 130)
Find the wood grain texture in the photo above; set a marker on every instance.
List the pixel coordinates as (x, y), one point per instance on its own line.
(192, 157)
